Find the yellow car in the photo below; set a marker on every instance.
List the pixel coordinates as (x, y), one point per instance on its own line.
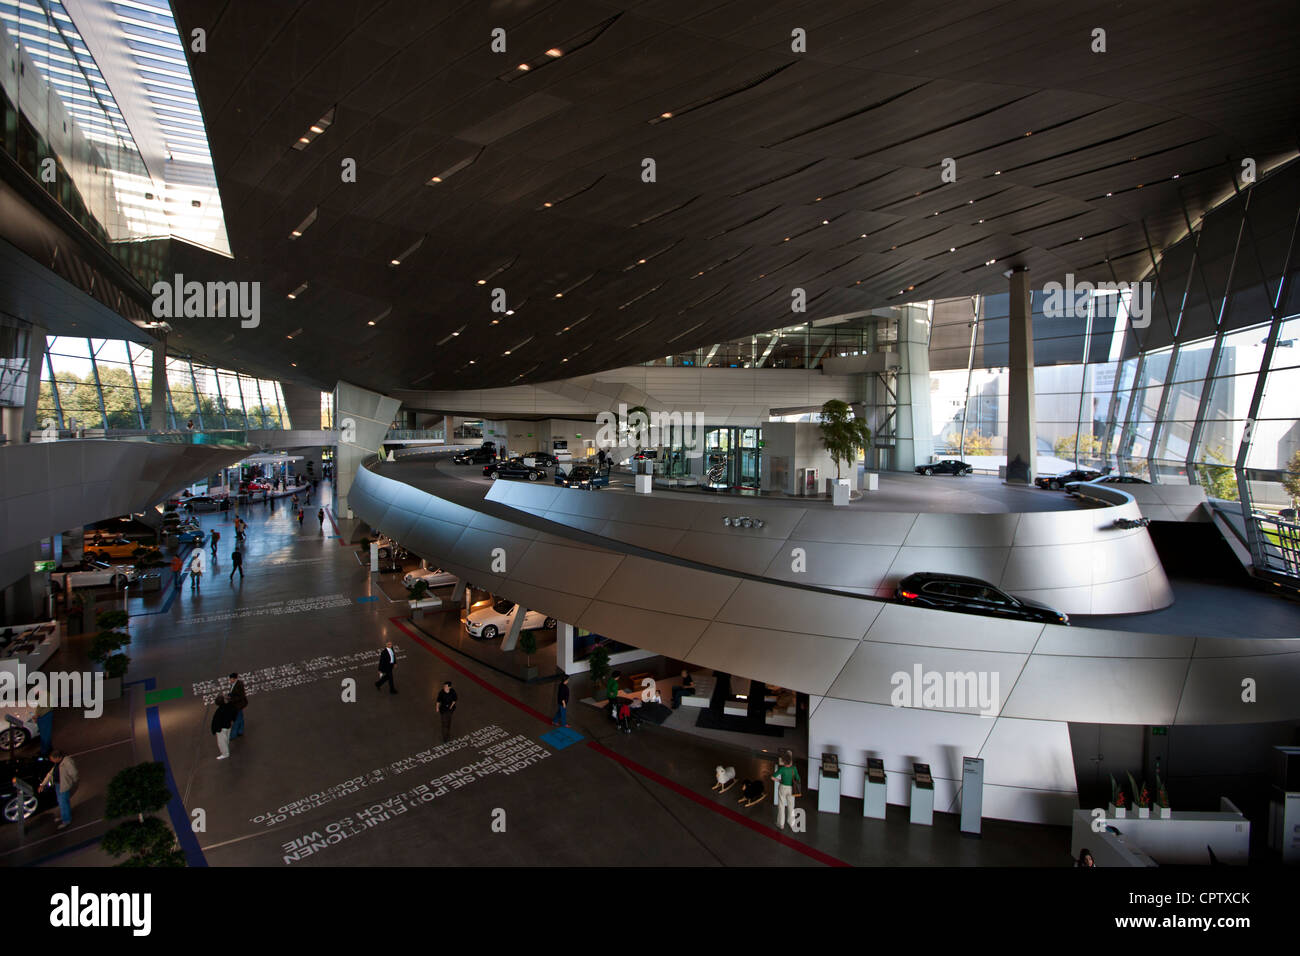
(110, 548)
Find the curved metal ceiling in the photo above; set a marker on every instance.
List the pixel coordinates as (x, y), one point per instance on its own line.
(775, 169)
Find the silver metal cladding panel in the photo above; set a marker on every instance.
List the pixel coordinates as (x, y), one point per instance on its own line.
(862, 528)
(672, 635)
(577, 570)
(738, 551)
(642, 536)
(925, 627)
(811, 661)
(1124, 690)
(658, 586)
(874, 672)
(793, 609)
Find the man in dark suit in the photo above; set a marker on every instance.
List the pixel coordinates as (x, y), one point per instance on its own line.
(239, 700)
(387, 661)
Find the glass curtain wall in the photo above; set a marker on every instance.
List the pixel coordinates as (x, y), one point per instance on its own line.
(108, 383)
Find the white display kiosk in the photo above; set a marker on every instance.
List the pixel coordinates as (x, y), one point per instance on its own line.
(873, 789)
(922, 809)
(828, 785)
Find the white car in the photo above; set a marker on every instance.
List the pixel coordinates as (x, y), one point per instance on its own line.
(496, 618)
(117, 575)
(433, 577)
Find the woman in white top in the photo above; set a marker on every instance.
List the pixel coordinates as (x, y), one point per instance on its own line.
(197, 566)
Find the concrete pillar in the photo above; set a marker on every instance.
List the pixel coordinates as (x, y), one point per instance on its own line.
(915, 441)
(516, 627)
(19, 422)
(303, 405)
(564, 646)
(158, 387)
(448, 429)
(362, 418)
(1022, 424)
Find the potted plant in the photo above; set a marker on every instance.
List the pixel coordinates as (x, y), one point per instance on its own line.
(106, 650)
(528, 644)
(1162, 799)
(843, 435)
(598, 665)
(421, 600)
(1141, 798)
(1118, 801)
(149, 841)
(77, 614)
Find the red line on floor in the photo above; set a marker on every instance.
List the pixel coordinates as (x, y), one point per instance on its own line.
(329, 513)
(632, 765)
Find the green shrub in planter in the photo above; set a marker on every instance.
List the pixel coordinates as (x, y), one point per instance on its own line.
(598, 661)
(528, 644)
(418, 591)
(106, 647)
(134, 792)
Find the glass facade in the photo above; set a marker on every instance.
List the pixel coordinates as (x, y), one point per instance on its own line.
(108, 383)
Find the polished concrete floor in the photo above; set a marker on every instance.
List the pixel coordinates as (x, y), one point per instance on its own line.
(332, 772)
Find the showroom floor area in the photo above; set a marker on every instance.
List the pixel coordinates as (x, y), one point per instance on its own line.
(332, 772)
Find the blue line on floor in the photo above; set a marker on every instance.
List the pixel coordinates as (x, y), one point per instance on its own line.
(363, 600)
(175, 809)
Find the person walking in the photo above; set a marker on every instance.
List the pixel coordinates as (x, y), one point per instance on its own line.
(198, 563)
(239, 700)
(785, 776)
(320, 519)
(176, 571)
(216, 536)
(446, 706)
(64, 778)
(222, 718)
(300, 513)
(562, 703)
(387, 664)
(237, 563)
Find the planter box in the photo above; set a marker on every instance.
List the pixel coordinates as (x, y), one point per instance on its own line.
(1165, 813)
(1119, 813)
(1144, 813)
(151, 581)
(530, 673)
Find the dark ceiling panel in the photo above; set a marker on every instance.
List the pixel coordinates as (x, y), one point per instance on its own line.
(771, 171)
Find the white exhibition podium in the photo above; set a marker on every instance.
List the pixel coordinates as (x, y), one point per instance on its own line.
(922, 809)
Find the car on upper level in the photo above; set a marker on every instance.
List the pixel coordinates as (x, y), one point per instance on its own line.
(433, 577)
(489, 621)
(1121, 480)
(513, 468)
(956, 592)
(949, 466)
(475, 456)
(585, 477)
(1057, 482)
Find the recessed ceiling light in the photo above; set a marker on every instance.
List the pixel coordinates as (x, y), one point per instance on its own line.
(559, 295)
(456, 333)
(482, 282)
(665, 115)
(1176, 175)
(303, 139)
(495, 321)
(555, 51)
(786, 239)
(818, 199)
(471, 361)
(436, 179)
(510, 311)
(525, 67)
(953, 249)
(997, 172)
(640, 262)
(294, 364)
(547, 205)
(316, 129)
(981, 220)
(564, 360)
(1108, 195)
(970, 202)
(826, 222)
(1030, 133)
(863, 236)
(297, 292)
(394, 262)
(506, 352)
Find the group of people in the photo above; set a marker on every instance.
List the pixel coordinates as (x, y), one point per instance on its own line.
(444, 704)
(228, 718)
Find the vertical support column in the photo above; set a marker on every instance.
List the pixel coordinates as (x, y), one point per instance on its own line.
(362, 418)
(158, 387)
(564, 646)
(914, 444)
(1021, 421)
(448, 430)
(20, 422)
(516, 628)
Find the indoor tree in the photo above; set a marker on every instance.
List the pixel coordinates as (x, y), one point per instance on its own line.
(843, 435)
(1291, 477)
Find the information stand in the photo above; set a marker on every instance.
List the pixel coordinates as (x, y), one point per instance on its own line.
(972, 794)
(828, 789)
(922, 810)
(873, 790)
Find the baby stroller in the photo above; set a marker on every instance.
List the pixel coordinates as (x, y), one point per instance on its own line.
(621, 713)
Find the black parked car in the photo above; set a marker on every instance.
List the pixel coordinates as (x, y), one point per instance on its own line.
(582, 476)
(1122, 480)
(476, 456)
(949, 466)
(513, 468)
(955, 592)
(32, 770)
(1057, 482)
(544, 459)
